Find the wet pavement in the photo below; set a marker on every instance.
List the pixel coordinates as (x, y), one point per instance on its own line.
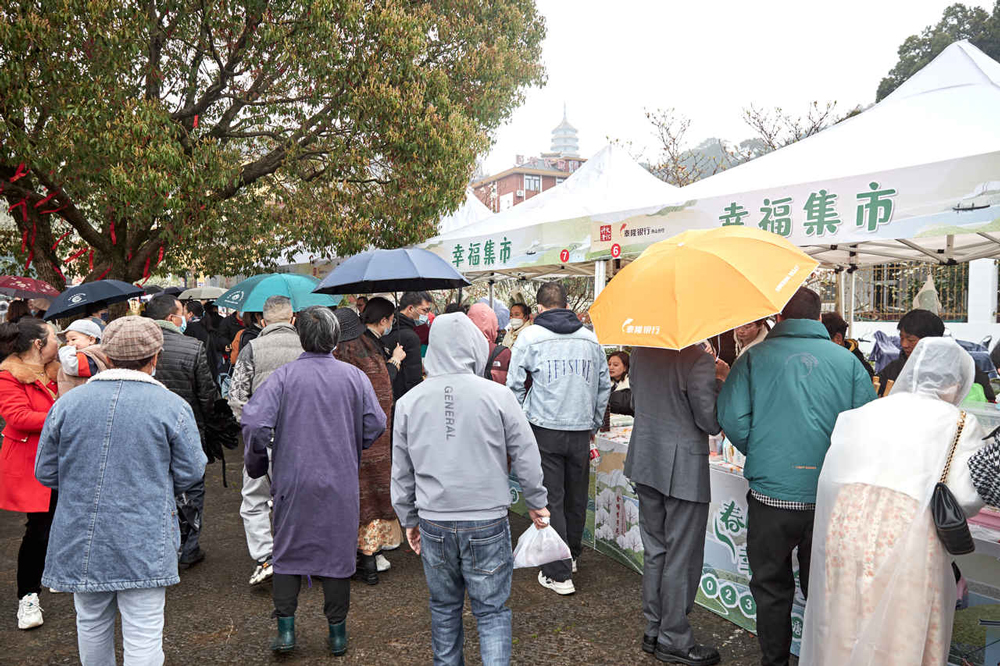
(214, 617)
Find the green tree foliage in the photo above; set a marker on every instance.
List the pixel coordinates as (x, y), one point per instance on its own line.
(174, 134)
(958, 22)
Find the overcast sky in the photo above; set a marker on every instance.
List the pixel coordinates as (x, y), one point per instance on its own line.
(609, 61)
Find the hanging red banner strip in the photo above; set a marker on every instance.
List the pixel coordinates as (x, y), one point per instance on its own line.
(27, 264)
(106, 272)
(20, 173)
(53, 210)
(45, 200)
(90, 261)
(76, 255)
(24, 241)
(23, 205)
(56, 269)
(145, 269)
(61, 238)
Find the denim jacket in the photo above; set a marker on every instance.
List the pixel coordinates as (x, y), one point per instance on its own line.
(570, 384)
(118, 450)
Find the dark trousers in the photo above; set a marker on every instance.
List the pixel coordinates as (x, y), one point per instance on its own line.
(772, 535)
(566, 475)
(31, 554)
(336, 596)
(190, 509)
(673, 543)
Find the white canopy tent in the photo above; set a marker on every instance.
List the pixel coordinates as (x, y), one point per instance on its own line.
(939, 132)
(470, 212)
(550, 232)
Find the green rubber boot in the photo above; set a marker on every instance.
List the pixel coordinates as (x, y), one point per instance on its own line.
(338, 639)
(285, 640)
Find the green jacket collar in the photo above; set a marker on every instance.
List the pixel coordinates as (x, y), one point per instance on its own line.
(167, 326)
(799, 328)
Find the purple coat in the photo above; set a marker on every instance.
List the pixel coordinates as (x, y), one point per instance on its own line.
(322, 413)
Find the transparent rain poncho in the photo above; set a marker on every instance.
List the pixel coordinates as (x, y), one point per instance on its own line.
(881, 588)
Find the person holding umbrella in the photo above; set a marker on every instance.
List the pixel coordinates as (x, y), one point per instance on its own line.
(28, 389)
(414, 307)
(310, 421)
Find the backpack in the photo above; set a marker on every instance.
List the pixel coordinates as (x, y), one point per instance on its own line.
(488, 373)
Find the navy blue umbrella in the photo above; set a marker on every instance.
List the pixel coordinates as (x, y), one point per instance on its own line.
(76, 300)
(408, 269)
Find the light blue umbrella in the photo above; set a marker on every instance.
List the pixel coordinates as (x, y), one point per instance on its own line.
(249, 295)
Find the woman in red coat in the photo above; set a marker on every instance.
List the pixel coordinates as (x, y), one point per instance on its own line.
(28, 390)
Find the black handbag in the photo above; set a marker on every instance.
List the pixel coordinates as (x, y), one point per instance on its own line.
(949, 518)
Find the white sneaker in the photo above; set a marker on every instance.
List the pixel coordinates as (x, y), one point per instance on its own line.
(574, 565)
(381, 563)
(263, 571)
(564, 588)
(55, 591)
(29, 613)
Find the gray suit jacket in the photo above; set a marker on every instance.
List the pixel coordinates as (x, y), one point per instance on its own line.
(674, 398)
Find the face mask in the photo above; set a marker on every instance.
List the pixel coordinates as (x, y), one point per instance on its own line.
(423, 319)
(152, 373)
(184, 324)
(105, 316)
(516, 323)
(387, 330)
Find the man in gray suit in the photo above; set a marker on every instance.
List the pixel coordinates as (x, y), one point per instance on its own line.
(673, 394)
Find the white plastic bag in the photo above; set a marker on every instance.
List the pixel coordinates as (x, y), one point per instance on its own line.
(540, 546)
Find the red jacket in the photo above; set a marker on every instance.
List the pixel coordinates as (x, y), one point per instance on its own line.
(24, 403)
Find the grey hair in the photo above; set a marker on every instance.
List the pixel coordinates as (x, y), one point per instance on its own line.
(319, 330)
(278, 308)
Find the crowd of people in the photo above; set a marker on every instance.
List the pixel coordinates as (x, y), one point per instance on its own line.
(364, 427)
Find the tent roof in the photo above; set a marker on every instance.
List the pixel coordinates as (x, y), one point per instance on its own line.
(470, 212)
(609, 181)
(947, 110)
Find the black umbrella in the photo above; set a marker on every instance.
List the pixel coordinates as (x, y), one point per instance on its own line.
(76, 300)
(174, 291)
(152, 289)
(408, 269)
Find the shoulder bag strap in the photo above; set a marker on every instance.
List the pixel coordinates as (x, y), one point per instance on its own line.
(954, 444)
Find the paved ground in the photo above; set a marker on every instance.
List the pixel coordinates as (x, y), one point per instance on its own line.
(213, 617)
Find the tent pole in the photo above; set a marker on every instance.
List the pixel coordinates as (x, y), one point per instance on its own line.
(850, 304)
(491, 294)
(600, 277)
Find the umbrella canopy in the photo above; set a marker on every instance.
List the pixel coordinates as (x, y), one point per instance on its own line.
(699, 284)
(174, 291)
(377, 271)
(201, 293)
(249, 295)
(26, 287)
(76, 300)
(152, 289)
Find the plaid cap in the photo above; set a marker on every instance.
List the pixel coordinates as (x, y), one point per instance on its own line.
(132, 339)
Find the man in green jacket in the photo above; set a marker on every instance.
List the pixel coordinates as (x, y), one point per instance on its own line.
(778, 407)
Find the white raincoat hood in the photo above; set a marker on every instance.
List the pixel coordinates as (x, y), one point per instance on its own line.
(939, 368)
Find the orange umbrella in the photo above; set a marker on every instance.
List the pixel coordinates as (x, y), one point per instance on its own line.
(699, 284)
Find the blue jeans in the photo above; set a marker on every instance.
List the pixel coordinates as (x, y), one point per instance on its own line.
(475, 556)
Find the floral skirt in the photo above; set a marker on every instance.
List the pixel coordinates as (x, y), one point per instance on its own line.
(379, 535)
(865, 525)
